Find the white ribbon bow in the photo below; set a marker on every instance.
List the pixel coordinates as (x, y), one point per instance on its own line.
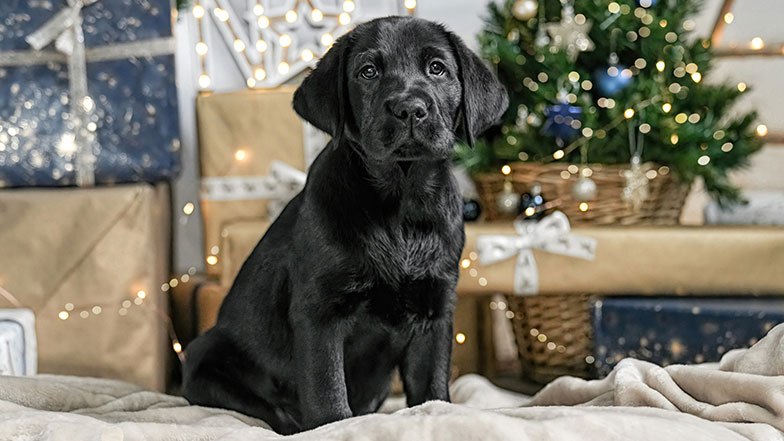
(550, 234)
(280, 186)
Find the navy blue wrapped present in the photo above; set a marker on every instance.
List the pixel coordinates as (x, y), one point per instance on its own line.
(87, 92)
(679, 330)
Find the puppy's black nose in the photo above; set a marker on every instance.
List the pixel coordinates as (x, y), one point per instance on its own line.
(413, 109)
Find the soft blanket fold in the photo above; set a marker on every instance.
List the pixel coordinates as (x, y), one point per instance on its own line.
(741, 399)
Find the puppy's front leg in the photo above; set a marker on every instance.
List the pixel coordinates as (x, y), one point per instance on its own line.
(425, 367)
(321, 385)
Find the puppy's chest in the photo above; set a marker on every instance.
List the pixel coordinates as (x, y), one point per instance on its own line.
(402, 254)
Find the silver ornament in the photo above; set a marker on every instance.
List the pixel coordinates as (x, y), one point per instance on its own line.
(635, 190)
(525, 9)
(570, 34)
(507, 201)
(584, 189)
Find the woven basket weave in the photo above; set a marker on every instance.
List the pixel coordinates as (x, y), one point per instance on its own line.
(662, 207)
(554, 335)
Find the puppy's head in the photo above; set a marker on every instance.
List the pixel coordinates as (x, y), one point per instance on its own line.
(401, 89)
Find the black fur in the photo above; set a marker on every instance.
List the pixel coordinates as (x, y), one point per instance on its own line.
(357, 275)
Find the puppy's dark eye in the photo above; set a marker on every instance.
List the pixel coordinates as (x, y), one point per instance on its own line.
(437, 68)
(368, 72)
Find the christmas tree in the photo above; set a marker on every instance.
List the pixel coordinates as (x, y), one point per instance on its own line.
(612, 82)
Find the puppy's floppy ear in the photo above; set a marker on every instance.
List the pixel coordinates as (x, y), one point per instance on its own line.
(484, 99)
(321, 98)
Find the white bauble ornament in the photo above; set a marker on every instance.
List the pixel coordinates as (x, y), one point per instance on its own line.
(525, 9)
(584, 189)
(507, 202)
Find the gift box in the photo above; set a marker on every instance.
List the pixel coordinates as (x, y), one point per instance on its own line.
(678, 330)
(91, 264)
(640, 260)
(238, 241)
(241, 134)
(195, 306)
(87, 93)
(18, 345)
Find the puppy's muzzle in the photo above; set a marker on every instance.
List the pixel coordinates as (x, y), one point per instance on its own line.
(411, 111)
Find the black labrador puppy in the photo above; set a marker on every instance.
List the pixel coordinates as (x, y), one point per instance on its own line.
(357, 276)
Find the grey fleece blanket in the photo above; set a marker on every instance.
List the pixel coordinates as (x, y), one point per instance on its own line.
(740, 399)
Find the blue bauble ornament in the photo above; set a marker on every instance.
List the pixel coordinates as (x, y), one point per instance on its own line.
(611, 80)
(646, 3)
(471, 210)
(560, 121)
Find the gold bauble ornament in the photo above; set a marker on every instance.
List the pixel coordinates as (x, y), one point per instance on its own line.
(525, 9)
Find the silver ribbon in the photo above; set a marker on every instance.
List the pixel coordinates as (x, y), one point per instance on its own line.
(65, 30)
(280, 186)
(550, 234)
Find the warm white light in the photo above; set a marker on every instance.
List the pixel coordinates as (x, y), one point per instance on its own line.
(558, 154)
(757, 43)
(261, 46)
(666, 107)
(251, 82)
(306, 55)
(628, 113)
(188, 208)
(141, 294)
(344, 18)
(729, 17)
(88, 104)
(506, 169)
(583, 206)
(674, 139)
(239, 45)
(660, 65)
(741, 87)
(63, 315)
(198, 11)
(696, 77)
(177, 347)
(260, 74)
(762, 130)
(204, 81)
(258, 9)
(291, 16)
(221, 14)
(410, 4)
(285, 40)
(240, 155)
(460, 338)
(703, 160)
(349, 6)
(327, 39)
(316, 15)
(212, 260)
(201, 48)
(465, 263)
(283, 68)
(263, 22)
(530, 211)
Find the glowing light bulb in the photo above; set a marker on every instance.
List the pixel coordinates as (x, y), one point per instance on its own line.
(285, 40)
(177, 347)
(261, 46)
(696, 77)
(327, 39)
(558, 154)
(204, 81)
(88, 104)
(349, 6)
(460, 338)
(344, 18)
(141, 294)
(741, 87)
(283, 68)
(198, 11)
(221, 14)
(583, 207)
(674, 139)
(530, 211)
(263, 22)
(260, 74)
(666, 107)
(258, 9)
(316, 15)
(212, 260)
(240, 155)
(757, 43)
(251, 82)
(201, 48)
(762, 130)
(465, 263)
(306, 55)
(660, 65)
(703, 160)
(239, 45)
(188, 208)
(506, 169)
(729, 17)
(628, 113)
(291, 16)
(63, 315)
(410, 4)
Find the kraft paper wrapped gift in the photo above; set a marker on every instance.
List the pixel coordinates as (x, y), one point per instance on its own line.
(238, 242)
(240, 135)
(195, 306)
(642, 261)
(78, 258)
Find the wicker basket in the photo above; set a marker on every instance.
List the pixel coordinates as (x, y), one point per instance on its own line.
(554, 335)
(662, 207)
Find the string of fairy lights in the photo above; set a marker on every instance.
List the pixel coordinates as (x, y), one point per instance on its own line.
(662, 101)
(272, 37)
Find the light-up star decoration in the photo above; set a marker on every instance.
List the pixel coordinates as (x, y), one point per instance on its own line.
(571, 33)
(277, 40)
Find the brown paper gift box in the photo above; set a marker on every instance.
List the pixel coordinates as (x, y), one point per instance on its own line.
(239, 239)
(644, 261)
(87, 248)
(264, 126)
(195, 306)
